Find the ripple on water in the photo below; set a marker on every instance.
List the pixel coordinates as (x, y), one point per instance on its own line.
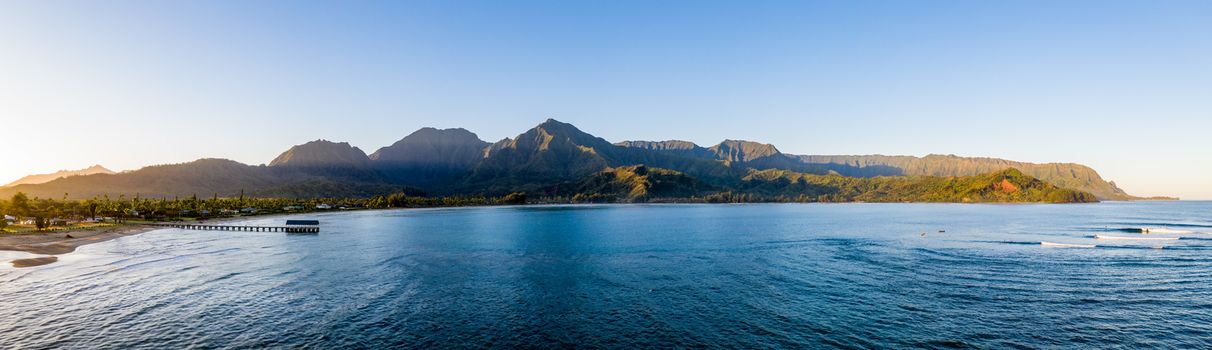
(761, 276)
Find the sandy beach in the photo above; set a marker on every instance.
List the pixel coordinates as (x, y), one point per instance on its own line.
(62, 242)
(57, 243)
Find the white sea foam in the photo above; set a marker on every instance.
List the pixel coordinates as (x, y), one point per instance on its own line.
(1137, 238)
(1163, 230)
(1065, 245)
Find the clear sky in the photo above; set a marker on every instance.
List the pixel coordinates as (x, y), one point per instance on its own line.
(1125, 87)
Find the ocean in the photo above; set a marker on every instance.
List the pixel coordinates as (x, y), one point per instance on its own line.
(641, 276)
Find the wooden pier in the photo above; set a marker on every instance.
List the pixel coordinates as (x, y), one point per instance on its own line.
(205, 227)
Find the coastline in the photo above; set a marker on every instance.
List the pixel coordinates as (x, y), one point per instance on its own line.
(50, 244)
(55, 244)
(58, 243)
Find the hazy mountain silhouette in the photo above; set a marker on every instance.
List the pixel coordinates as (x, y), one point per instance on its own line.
(322, 154)
(44, 178)
(430, 155)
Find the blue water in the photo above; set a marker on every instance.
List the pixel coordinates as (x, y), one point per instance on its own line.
(627, 276)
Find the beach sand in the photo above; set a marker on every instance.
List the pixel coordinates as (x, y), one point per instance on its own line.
(59, 242)
(19, 263)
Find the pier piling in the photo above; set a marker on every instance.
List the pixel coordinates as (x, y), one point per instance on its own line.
(287, 229)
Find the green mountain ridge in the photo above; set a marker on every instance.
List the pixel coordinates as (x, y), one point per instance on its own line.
(1009, 185)
(556, 159)
(1066, 175)
(636, 183)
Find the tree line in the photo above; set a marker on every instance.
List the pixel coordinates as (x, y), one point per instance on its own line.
(43, 213)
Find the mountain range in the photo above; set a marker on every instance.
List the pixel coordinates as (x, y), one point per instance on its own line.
(558, 159)
(44, 178)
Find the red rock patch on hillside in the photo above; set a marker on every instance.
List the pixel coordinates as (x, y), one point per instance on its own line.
(1005, 186)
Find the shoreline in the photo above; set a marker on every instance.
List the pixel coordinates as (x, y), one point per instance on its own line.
(58, 243)
(51, 244)
(66, 242)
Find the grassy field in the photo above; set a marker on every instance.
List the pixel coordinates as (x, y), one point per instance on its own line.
(81, 226)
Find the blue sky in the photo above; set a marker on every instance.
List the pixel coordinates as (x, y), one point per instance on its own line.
(1125, 87)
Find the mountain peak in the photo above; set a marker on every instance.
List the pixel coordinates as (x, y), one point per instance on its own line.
(412, 148)
(550, 149)
(543, 136)
(322, 153)
(428, 139)
(669, 145)
(430, 153)
(97, 168)
(743, 151)
(44, 178)
(429, 131)
(555, 126)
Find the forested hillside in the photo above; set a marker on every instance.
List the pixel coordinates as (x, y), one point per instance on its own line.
(558, 160)
(1065, 175)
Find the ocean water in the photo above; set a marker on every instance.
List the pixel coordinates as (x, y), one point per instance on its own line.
(641, 276)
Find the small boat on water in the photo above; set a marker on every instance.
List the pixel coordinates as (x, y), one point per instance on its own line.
(1136, 238)
(1066, 245)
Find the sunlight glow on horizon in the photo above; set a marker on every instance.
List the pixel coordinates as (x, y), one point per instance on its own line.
(1121, 87)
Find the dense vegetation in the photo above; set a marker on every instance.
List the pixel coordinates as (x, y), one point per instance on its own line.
(1009, 185)
(624, 184)
(42, 213)
(1066, 175)
(639, 184)
(636, 184)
